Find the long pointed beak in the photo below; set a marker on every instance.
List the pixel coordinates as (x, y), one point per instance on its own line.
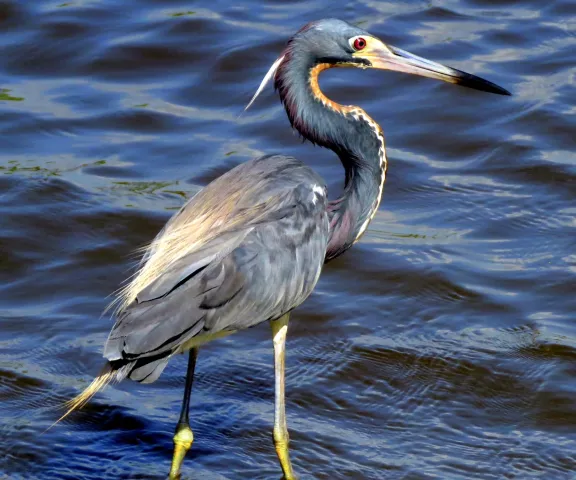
(387, 57)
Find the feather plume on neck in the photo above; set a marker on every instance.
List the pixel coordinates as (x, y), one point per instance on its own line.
(271, 72)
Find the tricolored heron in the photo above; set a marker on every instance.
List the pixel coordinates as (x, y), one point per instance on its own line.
(250, 246)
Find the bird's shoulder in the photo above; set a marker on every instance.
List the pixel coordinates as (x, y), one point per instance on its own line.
(264, 176)
(259, 190)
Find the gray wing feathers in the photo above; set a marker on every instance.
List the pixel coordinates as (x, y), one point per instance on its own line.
(175, 298)
(148, 372)
(190, 264)
(255, 271)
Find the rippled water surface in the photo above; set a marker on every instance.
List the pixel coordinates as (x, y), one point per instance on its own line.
(443, 346)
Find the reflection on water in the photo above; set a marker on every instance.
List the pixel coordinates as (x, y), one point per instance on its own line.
(441, 346)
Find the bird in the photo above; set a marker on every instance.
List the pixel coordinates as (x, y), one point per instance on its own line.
(250, 246)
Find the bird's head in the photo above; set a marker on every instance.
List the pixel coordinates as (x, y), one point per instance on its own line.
(335, 43)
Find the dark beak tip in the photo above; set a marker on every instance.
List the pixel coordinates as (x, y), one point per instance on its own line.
(501, 91)
(478, 83)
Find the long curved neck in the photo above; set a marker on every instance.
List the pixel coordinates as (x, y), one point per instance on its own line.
(350, 133)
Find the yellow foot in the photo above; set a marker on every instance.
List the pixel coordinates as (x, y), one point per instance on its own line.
(182, 442)
(289, 477)
(284, 457)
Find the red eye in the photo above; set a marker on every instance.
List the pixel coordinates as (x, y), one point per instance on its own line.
(359, 43)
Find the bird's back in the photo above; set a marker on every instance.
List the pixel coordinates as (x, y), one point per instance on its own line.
(247, 248)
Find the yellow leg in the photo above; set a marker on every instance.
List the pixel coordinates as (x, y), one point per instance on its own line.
(281, 438)
(183, 437)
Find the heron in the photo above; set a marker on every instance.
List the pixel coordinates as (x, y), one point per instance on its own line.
(250, 246)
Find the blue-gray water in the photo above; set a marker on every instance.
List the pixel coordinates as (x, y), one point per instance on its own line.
(443, 346)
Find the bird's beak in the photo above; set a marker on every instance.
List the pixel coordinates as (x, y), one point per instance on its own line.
(387, 57)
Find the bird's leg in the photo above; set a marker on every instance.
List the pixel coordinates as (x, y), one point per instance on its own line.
(281, 440)
(183, 437)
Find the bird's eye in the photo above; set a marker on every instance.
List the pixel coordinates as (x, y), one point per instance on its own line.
(359, 43)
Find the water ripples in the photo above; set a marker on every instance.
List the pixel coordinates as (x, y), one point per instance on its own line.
(441, 346)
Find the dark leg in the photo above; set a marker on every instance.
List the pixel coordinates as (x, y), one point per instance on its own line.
(183, 437)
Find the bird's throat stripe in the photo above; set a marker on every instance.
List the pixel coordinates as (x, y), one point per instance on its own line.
(315, 86)
(358, 114)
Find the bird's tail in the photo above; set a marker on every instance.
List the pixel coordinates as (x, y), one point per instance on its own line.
(106, 375)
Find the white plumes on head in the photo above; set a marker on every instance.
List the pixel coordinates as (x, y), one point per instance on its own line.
(265, 80)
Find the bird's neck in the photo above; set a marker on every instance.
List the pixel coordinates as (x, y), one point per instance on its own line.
(351, 134)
